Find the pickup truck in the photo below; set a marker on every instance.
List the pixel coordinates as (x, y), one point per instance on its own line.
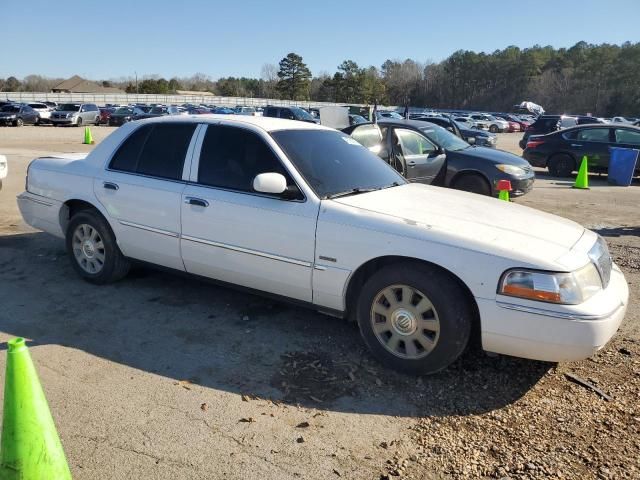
(305, 213)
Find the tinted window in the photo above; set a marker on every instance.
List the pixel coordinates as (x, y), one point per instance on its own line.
(126, 157)
(593, 135)
(164, 151)
(286, 113)
(627, 136)
(332, 162)
(270, 112)
(232, 157)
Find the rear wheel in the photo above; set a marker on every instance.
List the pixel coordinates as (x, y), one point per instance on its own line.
(97, 122)
(79, 122)
(93, 250)
(414, 318)
(493, 129)
(473, 183)
(561, 165)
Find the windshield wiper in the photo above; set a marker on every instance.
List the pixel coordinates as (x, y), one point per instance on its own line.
(353, 191)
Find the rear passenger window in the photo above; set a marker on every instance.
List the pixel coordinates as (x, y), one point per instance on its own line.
(156, 150)
(232, 157)
(164, 151)
(593, 135)
(126, 157)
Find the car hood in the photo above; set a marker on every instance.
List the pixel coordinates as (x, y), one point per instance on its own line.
(491, 155)
(475, 222)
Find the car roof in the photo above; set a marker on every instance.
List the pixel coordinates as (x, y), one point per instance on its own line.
(268, 124)
(418, 124)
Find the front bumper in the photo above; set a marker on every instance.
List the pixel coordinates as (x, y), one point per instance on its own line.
(63, 121)
(519, 186)
(7, 121)
(554, 333)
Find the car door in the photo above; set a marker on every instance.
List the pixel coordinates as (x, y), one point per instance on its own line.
(628, 138)
(141, 189)
(234, 234)
(413, 155)
(594, 144)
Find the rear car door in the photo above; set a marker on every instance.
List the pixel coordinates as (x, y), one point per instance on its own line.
(231, 232)
(416, 155)
(594, 144)
(141, 189)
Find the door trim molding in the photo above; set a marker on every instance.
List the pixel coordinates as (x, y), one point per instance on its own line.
(248, 251)
(149, 229)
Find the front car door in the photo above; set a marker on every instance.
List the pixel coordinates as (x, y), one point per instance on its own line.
(141, 189)
(415, 155)
(234, 234)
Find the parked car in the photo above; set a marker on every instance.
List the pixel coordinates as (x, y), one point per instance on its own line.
(240, 110)
(4, 169)
(620, 120)
(544, 124)
(223, 111)
(496, 125)
(381, 114)
(515, 124)
(561, 152)
(306, 213)
(43, 110)
(471, 136)
(586, 120)
(471, 123)
(125, 114)
(355, 119)
(76, 114)
(105, 113)
(290, 113)
(18, 115)
(426, 153)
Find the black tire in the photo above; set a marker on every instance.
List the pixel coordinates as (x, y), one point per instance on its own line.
(472, 182)
(561, 165)
(18, 123)
(115, 266)
(97, 122)
(448, 298)
(79, 122)
(493, 129)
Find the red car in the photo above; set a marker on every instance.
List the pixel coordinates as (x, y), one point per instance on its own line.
(105, 114)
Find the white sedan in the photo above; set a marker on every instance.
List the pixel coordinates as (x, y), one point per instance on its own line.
(306, 213)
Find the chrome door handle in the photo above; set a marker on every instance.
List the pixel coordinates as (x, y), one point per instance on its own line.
(196, 201)
(110, 185)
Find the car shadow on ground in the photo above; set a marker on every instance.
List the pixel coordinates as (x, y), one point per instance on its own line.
(187, 329)
(618, 231)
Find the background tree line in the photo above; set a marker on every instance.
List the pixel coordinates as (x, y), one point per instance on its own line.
(600, 79)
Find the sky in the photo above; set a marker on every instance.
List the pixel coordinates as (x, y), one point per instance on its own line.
(114, 38)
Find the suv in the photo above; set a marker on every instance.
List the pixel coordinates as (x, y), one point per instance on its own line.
(76, 114)
(547, 124)
(290, 113)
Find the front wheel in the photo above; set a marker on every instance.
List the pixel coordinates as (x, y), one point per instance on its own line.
(79, 122)
(19, 122)
(93, 250)
(561, 165)
(414, 318)
(472, 183)
(493, 129)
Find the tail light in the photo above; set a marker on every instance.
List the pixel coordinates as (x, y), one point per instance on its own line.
(534, 143)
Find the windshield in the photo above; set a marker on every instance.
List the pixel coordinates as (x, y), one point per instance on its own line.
(444, 138)
(332, 162)
(124, 110)
(301, 114)
(10, 108)
(69, 107)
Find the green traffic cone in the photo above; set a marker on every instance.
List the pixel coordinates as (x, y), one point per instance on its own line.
(582, 180)
(503, 195)
(30, 448)
(88, 139)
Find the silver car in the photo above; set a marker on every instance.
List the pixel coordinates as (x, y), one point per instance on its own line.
(76, 114)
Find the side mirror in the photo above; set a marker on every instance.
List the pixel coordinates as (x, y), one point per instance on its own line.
(270, 182)
(471, 140)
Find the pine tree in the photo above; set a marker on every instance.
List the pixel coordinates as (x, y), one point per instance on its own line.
(294, 77)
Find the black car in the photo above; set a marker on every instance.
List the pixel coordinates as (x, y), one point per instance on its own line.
(427, 153)
(290, 113)
(561, 152)
(124, 115)
(473, 137)
(18, 115)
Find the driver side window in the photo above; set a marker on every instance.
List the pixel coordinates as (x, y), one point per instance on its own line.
(412, 143)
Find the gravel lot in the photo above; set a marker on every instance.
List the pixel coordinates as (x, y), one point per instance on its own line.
(161, 376)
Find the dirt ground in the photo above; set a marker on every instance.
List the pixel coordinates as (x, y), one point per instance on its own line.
(164, 377)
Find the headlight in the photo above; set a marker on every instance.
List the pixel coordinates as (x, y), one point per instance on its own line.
(566, 288)
(511, 170)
